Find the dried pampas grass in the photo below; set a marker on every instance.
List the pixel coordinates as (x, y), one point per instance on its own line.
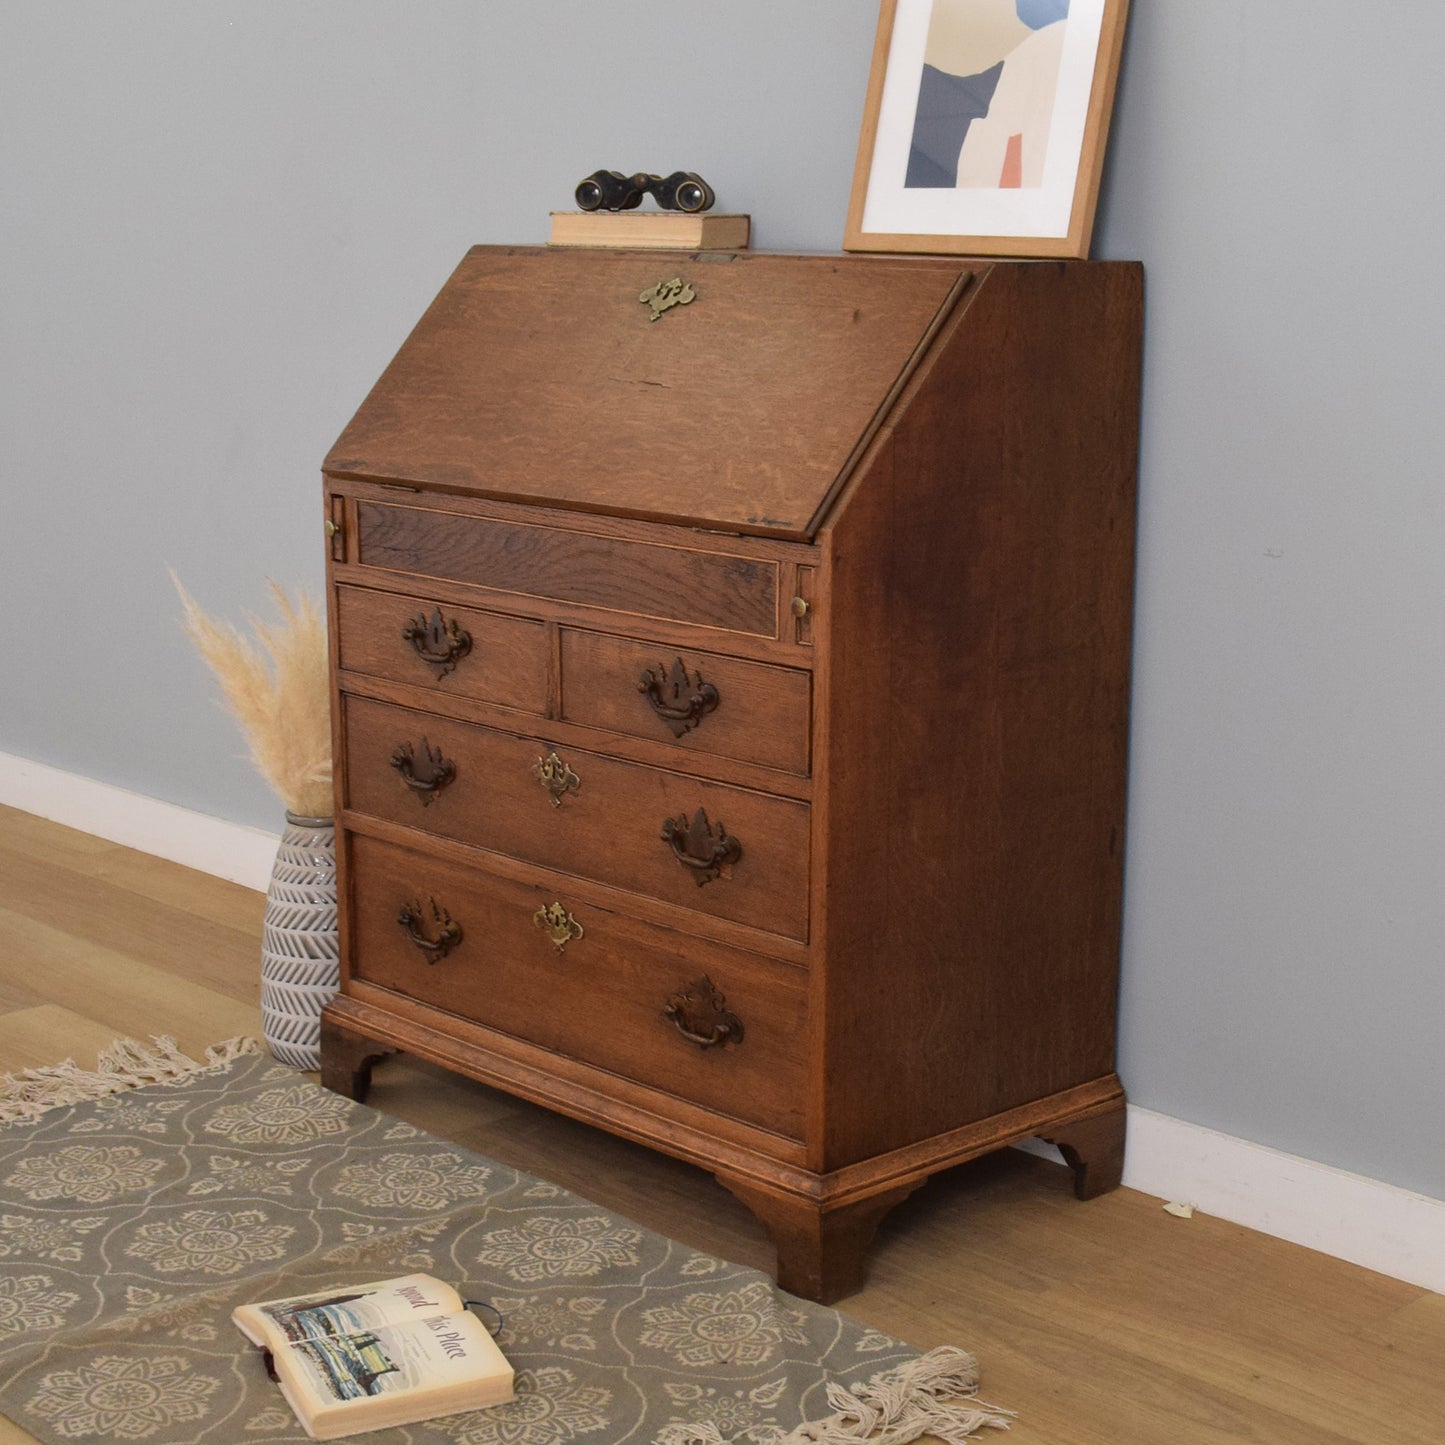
(276, 689)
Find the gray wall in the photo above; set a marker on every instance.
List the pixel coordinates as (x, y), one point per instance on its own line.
(218, 221)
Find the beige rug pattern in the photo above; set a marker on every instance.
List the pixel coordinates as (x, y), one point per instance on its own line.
(133, 1221)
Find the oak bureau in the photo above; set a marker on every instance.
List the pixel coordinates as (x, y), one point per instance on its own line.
(731, 666)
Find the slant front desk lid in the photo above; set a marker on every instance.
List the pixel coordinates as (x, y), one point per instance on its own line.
(725, 391)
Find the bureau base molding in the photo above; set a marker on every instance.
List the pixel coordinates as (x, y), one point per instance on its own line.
(821, 1224)
(356, 1032)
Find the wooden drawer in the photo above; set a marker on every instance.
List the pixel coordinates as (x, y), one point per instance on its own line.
(453, 650)
(706, 585)
(608, 826)
(701, 701)
(599, 998)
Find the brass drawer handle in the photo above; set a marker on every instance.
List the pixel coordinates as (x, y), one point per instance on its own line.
(558, 925)
(556, 777)
(436, 935)
(701, 1015)
(680, 699)
(426, 775)
(700, 846)
(437, 640)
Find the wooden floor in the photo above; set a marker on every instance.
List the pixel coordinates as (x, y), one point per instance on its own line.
(1107, 1323)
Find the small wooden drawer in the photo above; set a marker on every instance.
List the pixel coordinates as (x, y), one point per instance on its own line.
(721, 1028)
(453, 650)
(725, 851)
(701, 701)
(706, 585)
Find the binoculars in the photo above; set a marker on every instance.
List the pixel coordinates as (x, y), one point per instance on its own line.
(612, 191)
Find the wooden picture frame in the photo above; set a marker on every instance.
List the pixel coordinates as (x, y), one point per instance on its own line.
(1047, 67)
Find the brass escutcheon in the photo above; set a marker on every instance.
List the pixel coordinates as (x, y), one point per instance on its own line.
(556, 777)
(665, 295)
(557, 924)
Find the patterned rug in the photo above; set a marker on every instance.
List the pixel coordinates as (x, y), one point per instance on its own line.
(132, 1222)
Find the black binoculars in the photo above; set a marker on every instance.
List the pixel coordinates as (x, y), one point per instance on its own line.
(612, 191)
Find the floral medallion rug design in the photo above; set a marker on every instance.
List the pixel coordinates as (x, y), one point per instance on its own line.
(132, 1223)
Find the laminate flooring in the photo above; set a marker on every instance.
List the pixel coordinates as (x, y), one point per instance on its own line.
(1101, 1323)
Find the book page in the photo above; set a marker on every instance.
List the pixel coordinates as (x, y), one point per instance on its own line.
(354, 1309)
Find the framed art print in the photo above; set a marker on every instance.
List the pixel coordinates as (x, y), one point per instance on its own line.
(984, 127)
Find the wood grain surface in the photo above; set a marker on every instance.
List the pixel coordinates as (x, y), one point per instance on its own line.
(973, 702)
(610, 828)
(600, 997)
(504, 662)
(760, 713)
(718, 588)
(537, 375)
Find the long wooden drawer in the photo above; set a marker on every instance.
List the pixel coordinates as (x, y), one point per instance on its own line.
(702, 701)
(707, 585)
(585, 982)
(600, 818)
(456, 651)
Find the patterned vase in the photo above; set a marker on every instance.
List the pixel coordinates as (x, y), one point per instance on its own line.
(300, 969)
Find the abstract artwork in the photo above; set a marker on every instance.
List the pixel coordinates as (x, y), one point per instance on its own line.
(985, 125)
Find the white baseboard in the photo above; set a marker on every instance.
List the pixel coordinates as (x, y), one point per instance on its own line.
(1381, 1226)
(227, 850)
(1367, 1222)
(1377, 1225)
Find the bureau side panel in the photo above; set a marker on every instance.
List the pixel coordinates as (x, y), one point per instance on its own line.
(975, 718)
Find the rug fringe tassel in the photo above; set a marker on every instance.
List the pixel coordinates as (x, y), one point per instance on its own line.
(936, 1394)
(123, 1064)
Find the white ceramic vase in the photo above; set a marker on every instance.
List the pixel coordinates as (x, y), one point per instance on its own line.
(300, 969)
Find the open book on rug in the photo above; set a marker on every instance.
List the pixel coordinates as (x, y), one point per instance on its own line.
(374, 1355)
